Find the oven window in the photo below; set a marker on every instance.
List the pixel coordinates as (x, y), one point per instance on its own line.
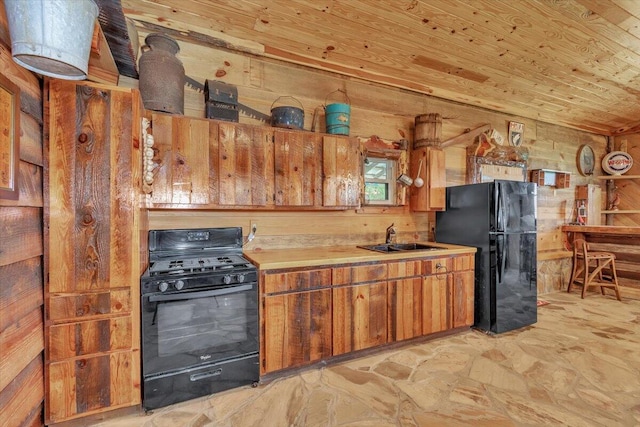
(197, 325)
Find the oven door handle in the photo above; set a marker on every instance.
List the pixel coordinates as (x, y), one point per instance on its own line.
(203, 294)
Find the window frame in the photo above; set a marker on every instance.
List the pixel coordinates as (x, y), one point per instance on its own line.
(391, 181)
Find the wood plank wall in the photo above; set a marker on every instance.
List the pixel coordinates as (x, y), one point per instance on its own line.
(21, 260)
(388, 113)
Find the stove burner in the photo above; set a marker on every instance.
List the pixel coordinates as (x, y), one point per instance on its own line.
(196, 265)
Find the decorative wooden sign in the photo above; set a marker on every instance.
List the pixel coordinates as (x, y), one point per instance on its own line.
(516, 133)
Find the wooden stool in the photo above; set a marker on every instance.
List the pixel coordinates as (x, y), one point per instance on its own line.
(596, 260)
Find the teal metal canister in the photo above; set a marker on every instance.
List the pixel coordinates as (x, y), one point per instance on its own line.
(338, 116)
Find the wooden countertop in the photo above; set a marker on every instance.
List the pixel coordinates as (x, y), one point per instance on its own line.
(269, 259)
(602, 229)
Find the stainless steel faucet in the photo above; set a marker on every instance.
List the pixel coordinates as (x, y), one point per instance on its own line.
(391, 234)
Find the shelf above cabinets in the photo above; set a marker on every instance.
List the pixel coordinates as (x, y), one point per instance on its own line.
(558, 179)
(619, 177)
(622, 211)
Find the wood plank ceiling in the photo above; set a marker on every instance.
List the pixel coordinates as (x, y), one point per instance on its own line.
(574, 63)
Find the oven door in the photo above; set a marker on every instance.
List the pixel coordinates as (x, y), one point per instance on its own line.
(186, 329)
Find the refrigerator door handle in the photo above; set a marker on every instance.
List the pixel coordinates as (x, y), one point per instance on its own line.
(500, 251)
(502, 209)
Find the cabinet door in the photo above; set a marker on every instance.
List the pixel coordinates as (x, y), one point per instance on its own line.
(405, 308)
(431, 196)
(245, 165)
(359, 317)
(297, 329)
(436, 290)
(93, 238)
(298, 171)
(342, 168)
(463, 302)
(183, 152)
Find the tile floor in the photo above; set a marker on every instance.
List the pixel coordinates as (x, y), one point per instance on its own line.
(578, 366)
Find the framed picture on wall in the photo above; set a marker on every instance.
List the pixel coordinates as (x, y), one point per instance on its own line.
(9, 138)
(586, 160)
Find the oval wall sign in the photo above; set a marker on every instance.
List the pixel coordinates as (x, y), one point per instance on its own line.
(617, 162)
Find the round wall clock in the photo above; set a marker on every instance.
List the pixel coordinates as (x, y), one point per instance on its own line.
(586, 160)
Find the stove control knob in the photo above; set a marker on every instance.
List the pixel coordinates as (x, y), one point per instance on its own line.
(226, 279)
(240, 278)
(179, 285)
(163, 286)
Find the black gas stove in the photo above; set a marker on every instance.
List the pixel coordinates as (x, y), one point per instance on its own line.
(199, 308)
(185, 260)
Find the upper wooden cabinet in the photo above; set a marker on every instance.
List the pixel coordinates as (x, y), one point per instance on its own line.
(245, 159)
(342, 167)
(185, 150)
(298, 171)
(431, 196)
(93, 239)
(204, 163)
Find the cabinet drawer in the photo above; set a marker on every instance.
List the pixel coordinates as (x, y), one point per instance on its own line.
(297, 280)
(463, 263)
(83, 306)
(86, 338)
(437, 266)
(360, 273)
(398, 270)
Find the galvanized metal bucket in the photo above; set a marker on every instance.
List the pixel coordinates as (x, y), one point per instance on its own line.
(287, 116)
(52, 37)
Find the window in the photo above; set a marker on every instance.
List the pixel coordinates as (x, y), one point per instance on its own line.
(379, 181)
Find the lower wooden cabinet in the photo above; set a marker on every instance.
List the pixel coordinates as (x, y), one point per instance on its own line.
(297, 329)
(359, 317)
(405, 308)
(463, 292)
(295, 318)
(436, 290)
(311, 314)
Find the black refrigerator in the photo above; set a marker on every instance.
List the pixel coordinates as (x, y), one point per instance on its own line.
(499, 219)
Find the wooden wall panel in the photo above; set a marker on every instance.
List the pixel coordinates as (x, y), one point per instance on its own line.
(21, 400)
(21, 251)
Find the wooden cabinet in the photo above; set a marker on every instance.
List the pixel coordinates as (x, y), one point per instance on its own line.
(463, 291)
(298, 172)
(431, 196)
(359, 307)
(93, 243)
(206, 163)
(296, 318)
(185, 155)
(245, 165)
(404, 289)
(342, 170)
(311, 314)
(436, 295)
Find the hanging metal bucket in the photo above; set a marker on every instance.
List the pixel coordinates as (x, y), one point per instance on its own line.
(287, 116)
(161, 75)
(52, 37)
(338, 115)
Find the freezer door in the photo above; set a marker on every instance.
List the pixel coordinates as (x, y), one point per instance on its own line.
(514, 282)
(513, 208)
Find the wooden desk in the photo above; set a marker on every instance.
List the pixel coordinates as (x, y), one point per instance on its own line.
(624, 242)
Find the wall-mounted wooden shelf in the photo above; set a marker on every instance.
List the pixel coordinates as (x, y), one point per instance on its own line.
(625, 211)
(558, 179)
(618, 177)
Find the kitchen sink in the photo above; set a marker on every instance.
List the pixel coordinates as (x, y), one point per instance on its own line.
(398, 247)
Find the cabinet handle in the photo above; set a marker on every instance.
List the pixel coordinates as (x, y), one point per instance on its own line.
(441, 274)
